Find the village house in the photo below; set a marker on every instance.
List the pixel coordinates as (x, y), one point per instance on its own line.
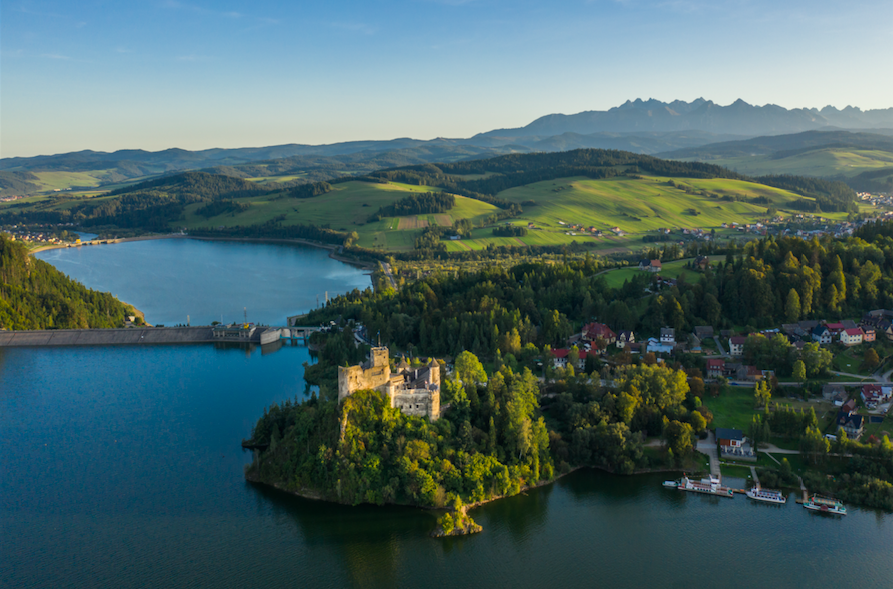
(868, 334)
(625, 338)
(835, 328)
(729, 438)
(667, 335)
(595, 331)
(561, 356)
(835, 394)
(654, 345)
(851, 337)
(715, 367)
(702, 262)
(736, 345)
(848, 421)
(808, 325)
(749, 374)
(650, 265)
(703, 332)
(822, 334)
(875, 394)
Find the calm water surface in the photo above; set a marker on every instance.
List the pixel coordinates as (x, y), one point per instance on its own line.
(121, 467)
(170, 279)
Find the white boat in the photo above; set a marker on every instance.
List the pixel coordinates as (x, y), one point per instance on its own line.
(671, 484)
(767, 495)
(825, 505)
(710, 486)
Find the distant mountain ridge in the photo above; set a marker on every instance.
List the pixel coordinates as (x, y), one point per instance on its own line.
(738, 118)
(640, 126)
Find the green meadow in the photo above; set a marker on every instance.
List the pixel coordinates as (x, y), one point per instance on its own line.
(821, 162)
(637, 206)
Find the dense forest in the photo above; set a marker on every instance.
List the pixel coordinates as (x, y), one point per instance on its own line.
(762, 285)
(275, 229)
(34, 295)
(830, 195)
(510, 231)
(417, 204)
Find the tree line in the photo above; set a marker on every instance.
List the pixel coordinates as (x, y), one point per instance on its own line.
(417, 204)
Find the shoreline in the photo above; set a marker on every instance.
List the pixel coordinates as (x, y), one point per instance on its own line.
(315, 496)
(288, 241)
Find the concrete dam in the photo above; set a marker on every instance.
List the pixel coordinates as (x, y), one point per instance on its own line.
(154, 335)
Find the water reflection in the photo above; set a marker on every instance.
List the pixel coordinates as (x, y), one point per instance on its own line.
(368, 538)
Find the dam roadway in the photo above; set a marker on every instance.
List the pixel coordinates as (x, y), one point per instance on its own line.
(147, 335)
(110, 337)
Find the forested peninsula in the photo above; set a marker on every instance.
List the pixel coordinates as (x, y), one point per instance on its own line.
(34, 295)
(505, 430)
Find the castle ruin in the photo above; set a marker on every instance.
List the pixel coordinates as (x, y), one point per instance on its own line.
(414, 391)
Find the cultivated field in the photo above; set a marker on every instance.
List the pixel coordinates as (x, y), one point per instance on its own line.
(408, 223)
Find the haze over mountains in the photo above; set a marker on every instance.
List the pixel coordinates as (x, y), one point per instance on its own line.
(677, 129)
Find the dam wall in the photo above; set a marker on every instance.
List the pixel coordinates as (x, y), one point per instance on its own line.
(109, 337)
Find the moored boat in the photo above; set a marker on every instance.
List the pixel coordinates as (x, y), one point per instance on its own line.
(825, 505)
(767, 495)
(710, 486)
(671, 484)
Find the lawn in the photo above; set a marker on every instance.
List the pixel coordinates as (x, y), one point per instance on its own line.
(731, 470)
(733, 408)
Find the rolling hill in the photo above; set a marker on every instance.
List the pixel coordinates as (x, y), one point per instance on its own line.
(862, 160)
(611, 201)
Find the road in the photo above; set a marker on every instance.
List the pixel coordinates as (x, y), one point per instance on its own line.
(708, 447)
(387, 272)
(722, 351)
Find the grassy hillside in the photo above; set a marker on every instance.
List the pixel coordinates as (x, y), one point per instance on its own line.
(826, 162)
(553, 192)
(347, 208)
(637, 206)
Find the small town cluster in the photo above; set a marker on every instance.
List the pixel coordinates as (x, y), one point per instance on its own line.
(725, 362)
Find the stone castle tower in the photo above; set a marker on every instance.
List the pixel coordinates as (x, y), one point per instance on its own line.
(415, 391)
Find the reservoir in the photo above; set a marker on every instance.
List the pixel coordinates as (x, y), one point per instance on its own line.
(122, 467)
(170, 279)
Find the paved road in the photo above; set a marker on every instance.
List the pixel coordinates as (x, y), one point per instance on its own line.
(722, 350)
(708, 447)
(387, 272)
(753, 474)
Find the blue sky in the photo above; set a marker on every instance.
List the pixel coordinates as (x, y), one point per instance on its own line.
(153, 74)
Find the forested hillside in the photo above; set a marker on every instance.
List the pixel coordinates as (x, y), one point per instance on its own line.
(34, 295)
(768, 282)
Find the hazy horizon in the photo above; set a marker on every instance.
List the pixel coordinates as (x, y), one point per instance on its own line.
(236, 74)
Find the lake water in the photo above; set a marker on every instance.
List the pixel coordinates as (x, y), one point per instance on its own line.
(122, 467)
(172, 279)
